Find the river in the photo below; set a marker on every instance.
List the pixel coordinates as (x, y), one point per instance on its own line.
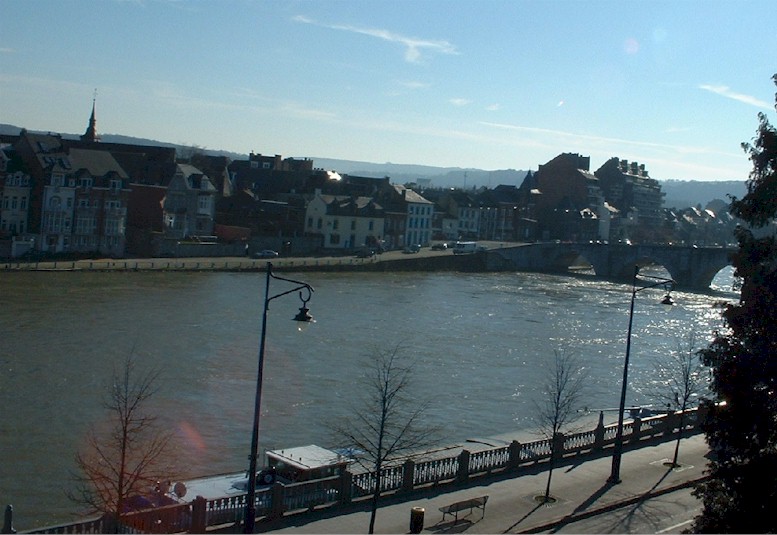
(480, 344)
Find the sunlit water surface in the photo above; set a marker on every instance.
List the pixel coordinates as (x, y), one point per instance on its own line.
(481, 344)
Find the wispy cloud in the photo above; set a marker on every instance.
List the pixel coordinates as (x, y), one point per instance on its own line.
(414, 47)
(493, 107)
(591, 142)
(6, 50)
(411, 84)
(459, 101)
(725, 91)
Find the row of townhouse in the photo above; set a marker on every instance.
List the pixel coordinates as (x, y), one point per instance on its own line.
(59, 197)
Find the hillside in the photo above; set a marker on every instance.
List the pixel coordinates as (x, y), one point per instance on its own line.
(679, 193)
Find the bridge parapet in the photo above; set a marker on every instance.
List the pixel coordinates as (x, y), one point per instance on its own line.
(691, 267)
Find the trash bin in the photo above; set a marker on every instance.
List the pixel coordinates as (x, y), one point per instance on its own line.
(416, 519)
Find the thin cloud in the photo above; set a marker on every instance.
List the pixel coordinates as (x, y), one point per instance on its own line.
(414, 85)
(459, 101)
(725, 91)
(493, 107)
(413, 47)
(601, 141)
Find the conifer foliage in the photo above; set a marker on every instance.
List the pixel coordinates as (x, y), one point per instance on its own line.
(741, 428)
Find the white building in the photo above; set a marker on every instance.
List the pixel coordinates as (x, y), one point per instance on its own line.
(344, 222)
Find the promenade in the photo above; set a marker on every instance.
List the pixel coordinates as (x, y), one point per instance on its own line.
(579, 486)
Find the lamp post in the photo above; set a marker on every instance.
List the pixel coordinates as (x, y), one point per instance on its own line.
(304, 316)
(617, 453)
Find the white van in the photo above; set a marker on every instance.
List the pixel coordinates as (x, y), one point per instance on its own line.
(464, 247)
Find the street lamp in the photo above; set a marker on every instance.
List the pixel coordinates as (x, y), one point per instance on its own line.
(668, 284)
(302, 316)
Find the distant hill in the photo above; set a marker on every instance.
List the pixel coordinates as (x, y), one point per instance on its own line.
(684, 193)
(439, 177)
(679, 193)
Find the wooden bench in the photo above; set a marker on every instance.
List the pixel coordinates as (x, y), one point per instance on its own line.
(471, 504)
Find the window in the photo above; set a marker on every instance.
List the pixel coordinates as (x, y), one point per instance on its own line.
(335, 224)
(319, 224)
(371, 225)
(310, 222)
(23, 203)
(353, 224)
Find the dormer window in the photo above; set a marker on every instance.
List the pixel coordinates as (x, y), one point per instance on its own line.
(85, 183)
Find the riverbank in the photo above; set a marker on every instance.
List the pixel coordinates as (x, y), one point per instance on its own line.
(424, 260)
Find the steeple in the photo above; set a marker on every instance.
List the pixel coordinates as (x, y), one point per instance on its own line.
(91, 132)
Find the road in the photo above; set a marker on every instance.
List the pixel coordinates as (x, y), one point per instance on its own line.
(669, 513)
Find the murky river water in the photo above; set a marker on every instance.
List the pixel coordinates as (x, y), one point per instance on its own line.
(480, 342)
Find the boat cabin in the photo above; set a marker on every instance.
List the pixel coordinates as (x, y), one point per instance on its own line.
(304, 463)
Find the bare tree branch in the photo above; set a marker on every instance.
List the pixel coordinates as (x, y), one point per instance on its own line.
(388, 424)
(125, 459)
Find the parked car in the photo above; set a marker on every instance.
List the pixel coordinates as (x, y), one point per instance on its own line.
(365, 253)
(266, 253)
(439, 246)
(412, 248)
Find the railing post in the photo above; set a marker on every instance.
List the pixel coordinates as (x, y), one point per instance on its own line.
(514, 453)
(199, 515)
(463, 473)
(8, 521)
(277, 508)
(672, 420)
(558, 446)
(408, 473)
(346, 484)
(599, 433)
(636, 429)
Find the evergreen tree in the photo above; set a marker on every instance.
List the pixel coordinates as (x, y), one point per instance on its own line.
(741, 426)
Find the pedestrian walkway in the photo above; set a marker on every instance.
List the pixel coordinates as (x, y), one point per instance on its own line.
(578, 485)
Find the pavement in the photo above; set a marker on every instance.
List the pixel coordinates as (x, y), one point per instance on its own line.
(578, 485)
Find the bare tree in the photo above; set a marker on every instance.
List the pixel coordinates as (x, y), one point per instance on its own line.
(682, 378)
(387, 426)
(558, 407)
(128, 456)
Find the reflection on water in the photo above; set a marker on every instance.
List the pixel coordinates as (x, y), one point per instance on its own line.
(480, 343)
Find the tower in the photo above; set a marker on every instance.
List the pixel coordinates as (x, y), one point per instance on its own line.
(91, 131)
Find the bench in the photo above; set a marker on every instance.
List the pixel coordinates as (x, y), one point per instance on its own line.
(471, 504)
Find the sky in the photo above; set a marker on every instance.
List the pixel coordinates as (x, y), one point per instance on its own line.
(485, 84)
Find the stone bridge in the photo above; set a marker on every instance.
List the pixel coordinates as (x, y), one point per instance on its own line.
(691, 267)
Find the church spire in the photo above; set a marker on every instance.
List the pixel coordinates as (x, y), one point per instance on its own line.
(91, 131)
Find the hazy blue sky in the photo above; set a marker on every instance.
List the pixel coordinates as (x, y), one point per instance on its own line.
(483, 83)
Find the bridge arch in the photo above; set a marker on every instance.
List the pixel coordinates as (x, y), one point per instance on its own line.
(691, 267)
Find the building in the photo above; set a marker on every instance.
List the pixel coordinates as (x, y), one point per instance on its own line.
(461, 219)
(343, 221)
(409, 216)
(639, 199)
(569, 200)
(190, 204)
(84, 204)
